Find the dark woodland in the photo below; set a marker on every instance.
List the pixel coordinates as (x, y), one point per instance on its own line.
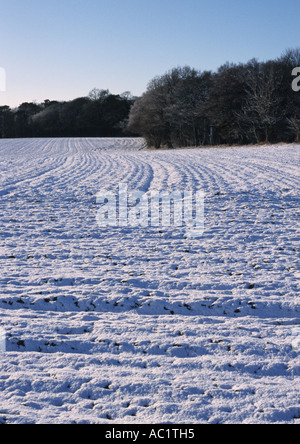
(248, 103)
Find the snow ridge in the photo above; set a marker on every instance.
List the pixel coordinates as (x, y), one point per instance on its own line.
(120, 325)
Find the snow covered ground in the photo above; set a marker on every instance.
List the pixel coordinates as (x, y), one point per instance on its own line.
(119, 325)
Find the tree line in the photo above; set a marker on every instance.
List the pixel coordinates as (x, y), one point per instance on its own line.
(100, 114)
(247, 103)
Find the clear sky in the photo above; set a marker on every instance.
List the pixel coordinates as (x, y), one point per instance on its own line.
(61, 49)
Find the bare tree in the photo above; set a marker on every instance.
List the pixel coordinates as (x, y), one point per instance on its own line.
(170, 113)
(261, 110)
(146, 119)
(294, 126)
(98, 94)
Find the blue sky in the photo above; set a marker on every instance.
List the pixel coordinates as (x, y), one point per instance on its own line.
(61, 49)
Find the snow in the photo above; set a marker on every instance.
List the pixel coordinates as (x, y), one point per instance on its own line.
(145, 325)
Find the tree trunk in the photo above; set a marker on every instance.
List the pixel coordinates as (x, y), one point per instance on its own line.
(266, 135)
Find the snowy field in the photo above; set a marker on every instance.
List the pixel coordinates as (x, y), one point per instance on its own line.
(119, 325)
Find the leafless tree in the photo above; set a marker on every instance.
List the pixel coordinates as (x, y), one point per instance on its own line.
(294, 125)
(99, 94)
(170, 112)
(261, 110)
